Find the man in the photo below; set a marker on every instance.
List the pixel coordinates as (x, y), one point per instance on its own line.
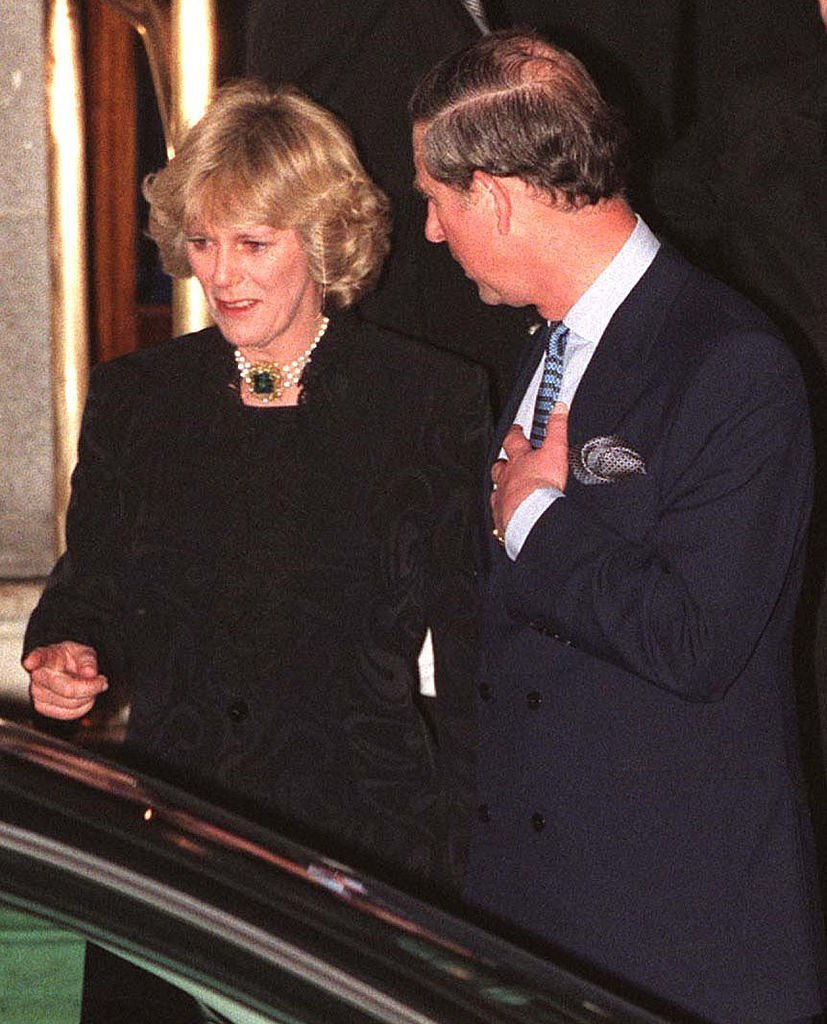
(640, 800)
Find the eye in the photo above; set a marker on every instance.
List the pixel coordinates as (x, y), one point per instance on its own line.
(197, 242)
(255, 245)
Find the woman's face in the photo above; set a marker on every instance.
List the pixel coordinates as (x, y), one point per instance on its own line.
(257, 283)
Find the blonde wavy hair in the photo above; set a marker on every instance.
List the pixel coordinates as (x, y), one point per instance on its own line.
(274, 157)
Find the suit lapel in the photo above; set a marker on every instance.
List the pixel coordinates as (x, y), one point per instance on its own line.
(619, 369)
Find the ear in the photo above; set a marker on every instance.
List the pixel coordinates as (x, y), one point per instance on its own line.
(495, 190)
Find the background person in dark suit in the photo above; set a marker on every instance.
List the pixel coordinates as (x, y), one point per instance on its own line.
(640, 796)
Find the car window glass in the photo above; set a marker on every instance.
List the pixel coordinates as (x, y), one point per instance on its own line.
(41, 968)
(217, 1009)
(41, 977)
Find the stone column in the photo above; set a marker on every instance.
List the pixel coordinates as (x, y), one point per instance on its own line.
(27, 531)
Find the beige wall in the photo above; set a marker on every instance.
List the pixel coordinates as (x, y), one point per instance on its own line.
(26, 516)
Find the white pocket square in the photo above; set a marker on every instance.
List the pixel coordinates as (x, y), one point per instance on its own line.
(605, 460)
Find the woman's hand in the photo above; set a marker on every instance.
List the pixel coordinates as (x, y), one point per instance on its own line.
(65, 681)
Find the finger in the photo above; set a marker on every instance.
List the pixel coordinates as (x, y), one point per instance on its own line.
(34, 659)
(52, 710)
(515, 441)
(64, 685)
(496, 517)
(47, 702)
(557, 430)
(494, 503)
(58, 657)
(42, 694)
(86, 662)
(497, 470)
(78, 658)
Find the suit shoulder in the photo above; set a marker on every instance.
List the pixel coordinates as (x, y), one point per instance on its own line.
(164, 353)
(707, 308)
(398, 356)
(709, 329)
(163, 357)
(410, 385)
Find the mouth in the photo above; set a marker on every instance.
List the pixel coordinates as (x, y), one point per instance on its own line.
(238, 306)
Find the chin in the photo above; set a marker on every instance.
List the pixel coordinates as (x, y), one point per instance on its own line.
(489, 296)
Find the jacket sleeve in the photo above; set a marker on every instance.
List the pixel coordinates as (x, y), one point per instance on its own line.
(81, 600)
(683, 600)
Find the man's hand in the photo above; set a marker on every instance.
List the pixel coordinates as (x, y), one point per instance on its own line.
(64, 679)
(526, 469)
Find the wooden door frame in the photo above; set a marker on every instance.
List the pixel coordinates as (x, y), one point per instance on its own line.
(111, 112)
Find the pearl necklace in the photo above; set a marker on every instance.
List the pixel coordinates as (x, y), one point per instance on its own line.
(266, 381)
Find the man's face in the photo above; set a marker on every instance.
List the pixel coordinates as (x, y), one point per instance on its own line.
(465, 221)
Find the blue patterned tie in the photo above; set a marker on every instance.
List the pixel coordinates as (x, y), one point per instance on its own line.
(550, 384)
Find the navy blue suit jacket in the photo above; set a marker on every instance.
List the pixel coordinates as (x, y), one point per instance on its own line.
(641, 803)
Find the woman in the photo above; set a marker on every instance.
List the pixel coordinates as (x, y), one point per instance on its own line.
(268, 515)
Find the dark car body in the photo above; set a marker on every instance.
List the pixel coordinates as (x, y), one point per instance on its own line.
(253, 926)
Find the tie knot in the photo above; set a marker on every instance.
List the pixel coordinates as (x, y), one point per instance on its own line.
(558, 333)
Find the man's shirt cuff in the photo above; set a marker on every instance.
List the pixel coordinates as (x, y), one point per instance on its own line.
(526, 515)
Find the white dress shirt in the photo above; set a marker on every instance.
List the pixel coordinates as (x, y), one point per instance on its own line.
(586, 320)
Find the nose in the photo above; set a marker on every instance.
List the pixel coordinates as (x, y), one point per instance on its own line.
(226, 267)
(433, 228)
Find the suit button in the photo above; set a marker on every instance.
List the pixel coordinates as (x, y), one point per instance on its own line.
(534, 700)
(484, 814)
(238, 711)
(538, 821)
(485, 691)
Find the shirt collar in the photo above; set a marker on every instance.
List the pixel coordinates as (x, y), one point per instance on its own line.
(590, 315)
